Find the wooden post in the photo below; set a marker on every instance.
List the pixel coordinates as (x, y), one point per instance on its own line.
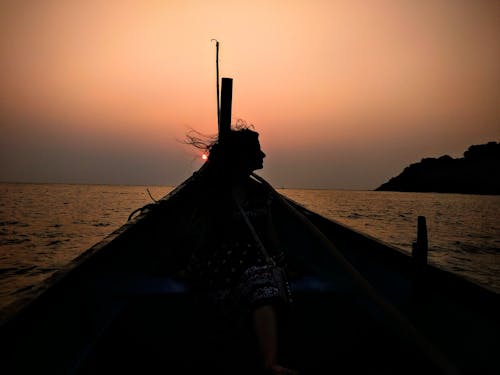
(419, 258)
(225, 110)
(421, 247)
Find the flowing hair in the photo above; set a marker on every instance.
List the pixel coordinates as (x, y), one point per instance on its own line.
(208, 142)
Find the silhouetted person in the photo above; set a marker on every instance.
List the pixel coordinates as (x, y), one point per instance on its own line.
(228, 265)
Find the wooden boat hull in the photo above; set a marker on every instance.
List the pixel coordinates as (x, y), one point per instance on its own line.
(120, 308)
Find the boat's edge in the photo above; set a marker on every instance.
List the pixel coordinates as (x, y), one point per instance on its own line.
(432, 268)
(10, 311)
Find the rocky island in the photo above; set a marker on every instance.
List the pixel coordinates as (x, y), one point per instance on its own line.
(478, 172)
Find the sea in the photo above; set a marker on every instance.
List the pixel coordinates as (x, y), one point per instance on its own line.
(44, 226)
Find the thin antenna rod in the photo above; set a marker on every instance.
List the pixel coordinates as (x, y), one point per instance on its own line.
(218, 90)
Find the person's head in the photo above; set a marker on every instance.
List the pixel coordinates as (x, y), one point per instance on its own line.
(239, 151)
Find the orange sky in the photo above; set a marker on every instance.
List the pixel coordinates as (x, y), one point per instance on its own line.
(344, 93)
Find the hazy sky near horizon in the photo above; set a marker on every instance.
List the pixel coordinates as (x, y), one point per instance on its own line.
(345, 94)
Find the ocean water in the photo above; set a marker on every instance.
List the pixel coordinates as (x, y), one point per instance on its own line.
(44, 226)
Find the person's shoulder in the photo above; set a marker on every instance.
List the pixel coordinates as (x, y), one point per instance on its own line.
(256, 187)
(262, 192)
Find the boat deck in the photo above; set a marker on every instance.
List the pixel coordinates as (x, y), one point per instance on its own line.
(173, 332)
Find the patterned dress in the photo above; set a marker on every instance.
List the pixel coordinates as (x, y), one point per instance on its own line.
(232, 271)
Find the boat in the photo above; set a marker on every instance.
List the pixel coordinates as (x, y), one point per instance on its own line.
(119, 306)
(358, 305)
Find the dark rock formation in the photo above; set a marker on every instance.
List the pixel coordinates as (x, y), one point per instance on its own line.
(478, 172)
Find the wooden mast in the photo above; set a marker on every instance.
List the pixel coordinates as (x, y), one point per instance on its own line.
(223, 105)
(217, 79)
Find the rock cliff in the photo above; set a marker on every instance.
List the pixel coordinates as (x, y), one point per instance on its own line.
(478, 172)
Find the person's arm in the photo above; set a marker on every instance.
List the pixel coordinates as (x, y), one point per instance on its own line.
(266, 332)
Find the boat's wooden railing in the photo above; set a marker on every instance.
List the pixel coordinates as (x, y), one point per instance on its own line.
(393, 318)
